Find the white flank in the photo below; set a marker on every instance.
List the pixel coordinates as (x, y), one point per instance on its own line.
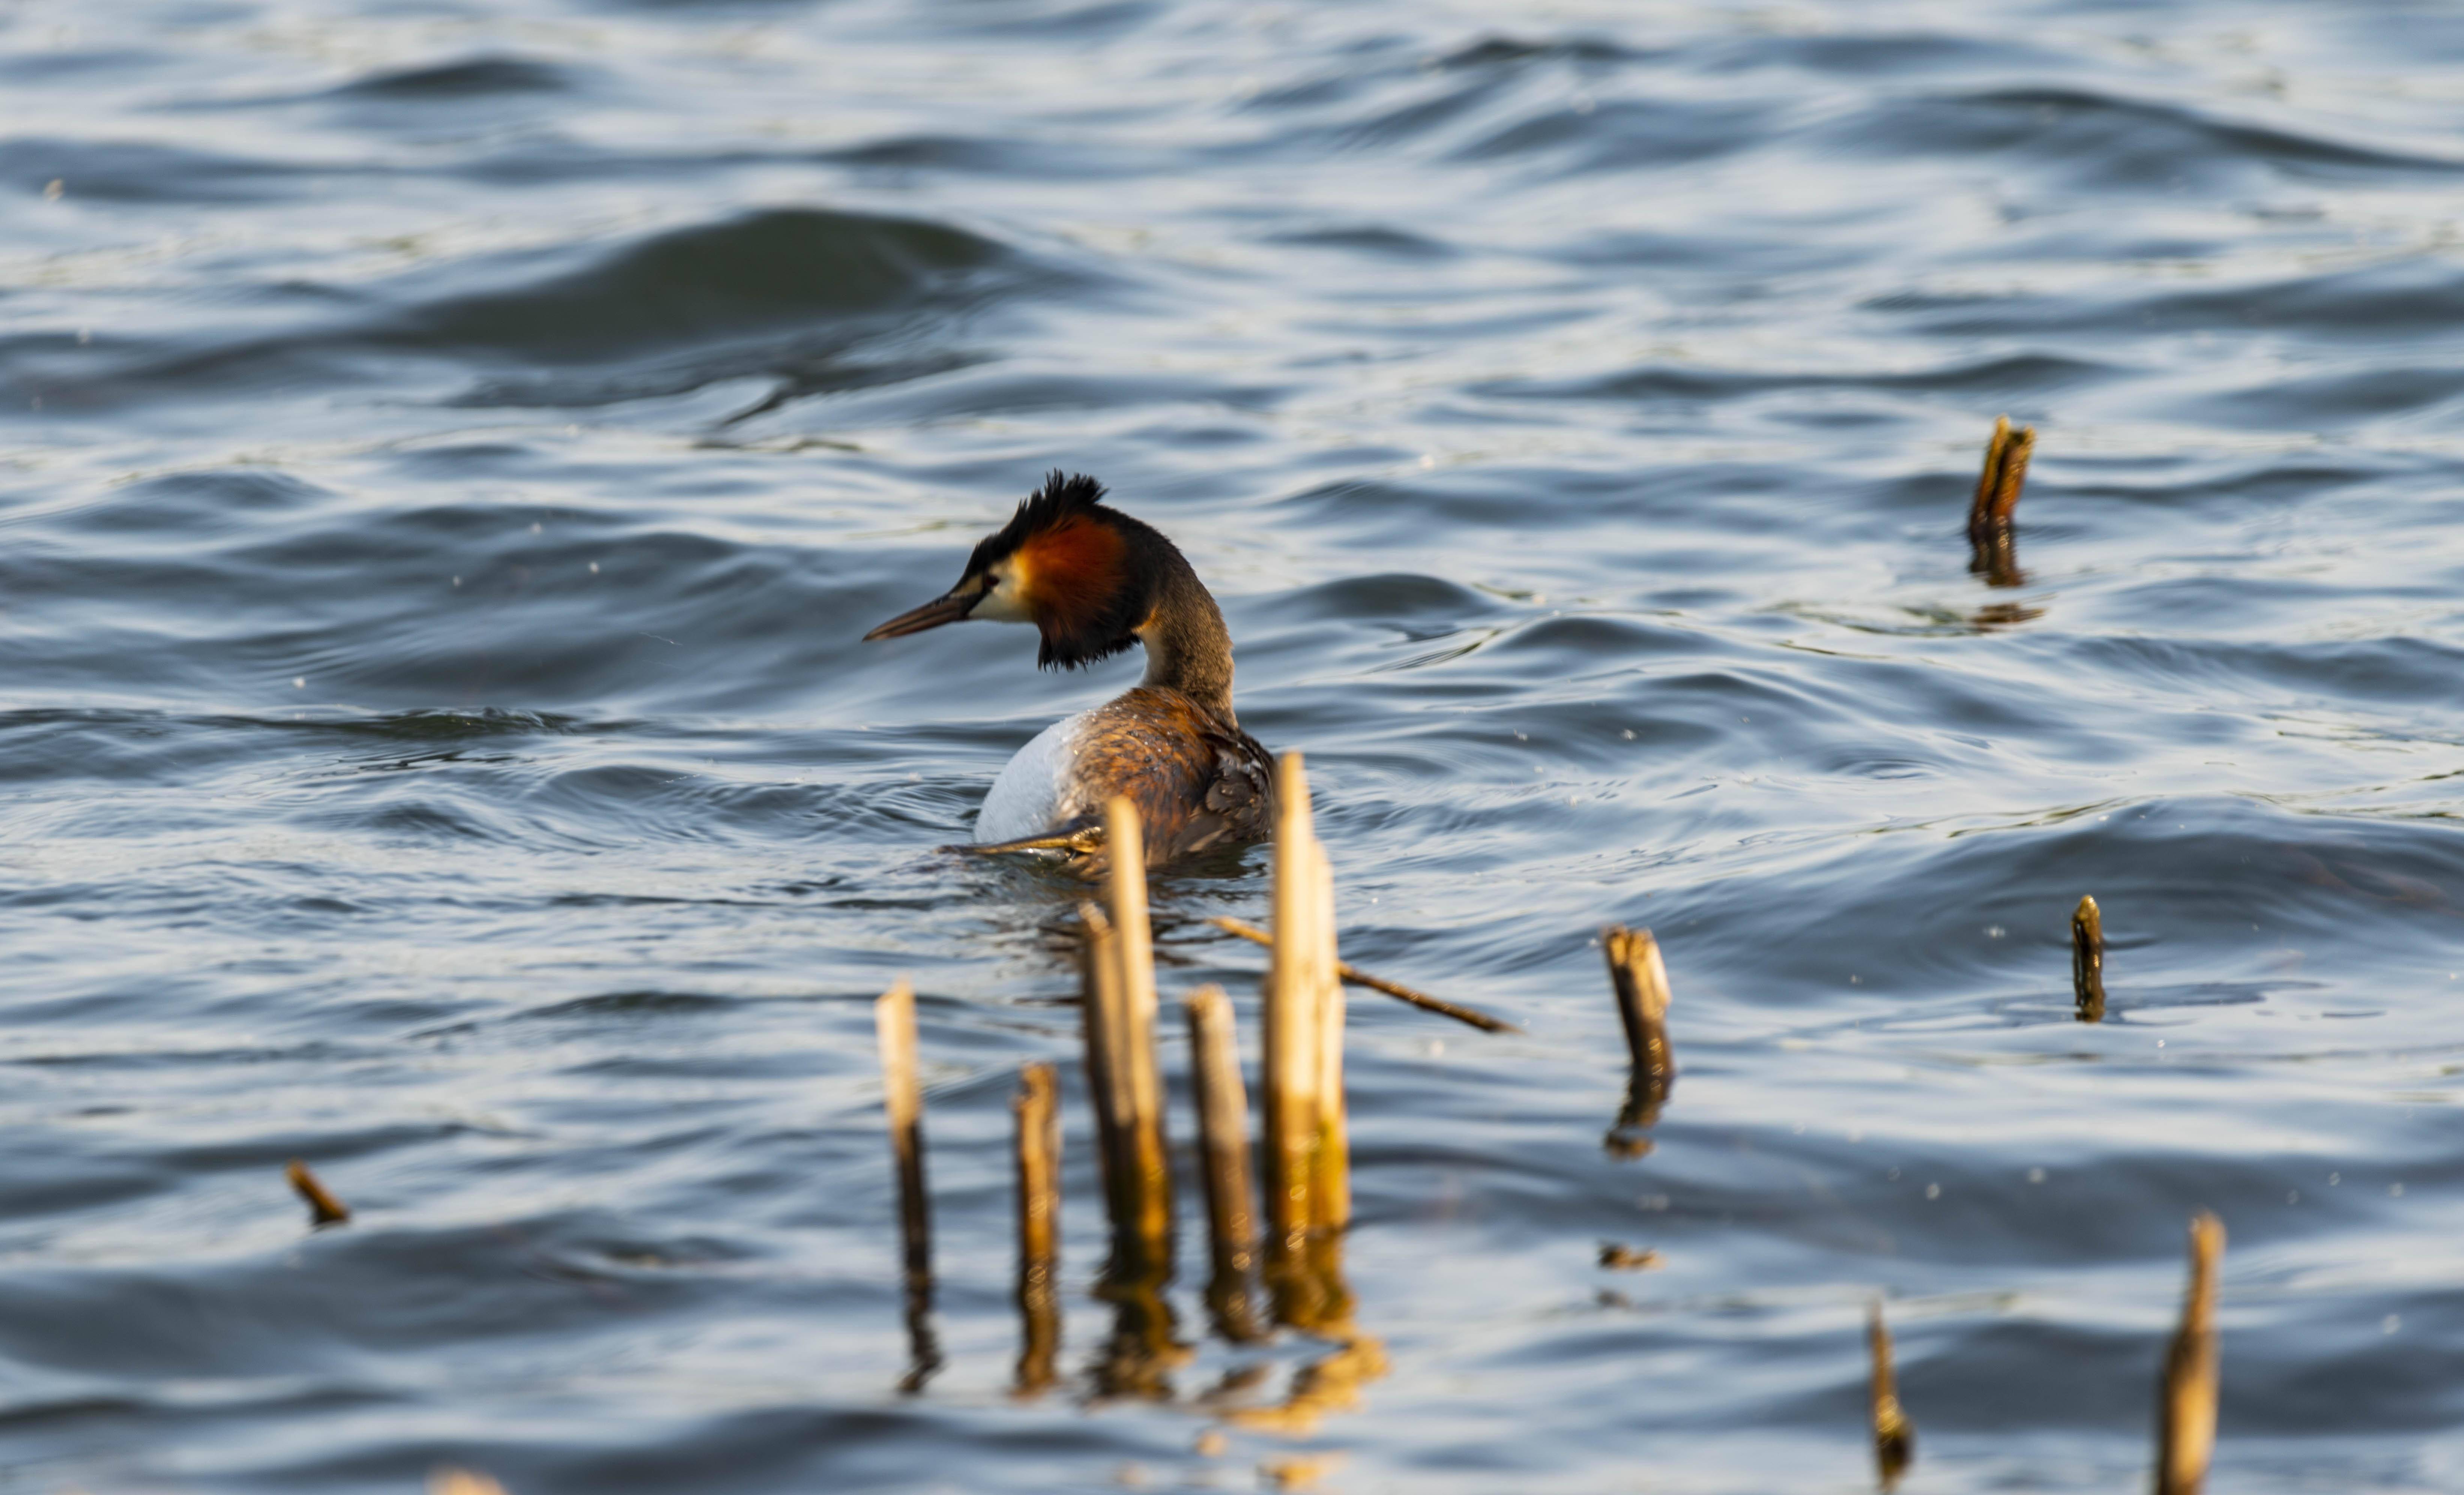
(1027, 799)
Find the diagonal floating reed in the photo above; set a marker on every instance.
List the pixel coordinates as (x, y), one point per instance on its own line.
(1038, 1110)
(1993, 546)
(2087, 961)
(1895, 1437)
(323, 1209)
(2185, 1406)
(1378, 983)
(893, 1019)
(1642, 982)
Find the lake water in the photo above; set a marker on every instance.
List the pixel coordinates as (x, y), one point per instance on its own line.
(448, 452)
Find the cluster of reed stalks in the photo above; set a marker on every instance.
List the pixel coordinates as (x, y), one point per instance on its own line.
(1275, 1230)
(1280, 1227)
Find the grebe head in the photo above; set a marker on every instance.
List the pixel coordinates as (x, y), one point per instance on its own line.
(1087, 575)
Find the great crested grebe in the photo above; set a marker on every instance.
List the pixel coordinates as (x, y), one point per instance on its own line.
(1093, 582)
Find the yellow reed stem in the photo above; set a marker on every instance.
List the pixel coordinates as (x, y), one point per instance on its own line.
(2185, 1410)
(1037, 1108)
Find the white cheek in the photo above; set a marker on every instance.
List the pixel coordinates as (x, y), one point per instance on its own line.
(1006, 603)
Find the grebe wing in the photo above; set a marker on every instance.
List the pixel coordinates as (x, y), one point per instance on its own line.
(1031, 797)
(1239, 802)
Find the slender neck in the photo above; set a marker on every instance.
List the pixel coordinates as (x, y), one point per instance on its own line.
(1188, 647)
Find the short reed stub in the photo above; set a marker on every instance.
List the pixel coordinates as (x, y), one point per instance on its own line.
(1308, 1179)
(1993, 551)
(323, 1209)
(1038, 1111)
(2087, 961)
(1107, 1094)
(1142, 1165)
(1640, 980)
(1895, 1437)
(1222, 1105)
(2186, 1408)
(902, 1097)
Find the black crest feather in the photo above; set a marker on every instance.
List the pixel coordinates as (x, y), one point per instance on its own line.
(1062, 496)
(1086, 628)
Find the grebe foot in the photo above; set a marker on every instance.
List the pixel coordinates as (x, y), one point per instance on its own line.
(1075, 842)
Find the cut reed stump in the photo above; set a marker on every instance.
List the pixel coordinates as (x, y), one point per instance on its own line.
(1307, 1171)
(2087, 961)
(1222, 1105)
(1037, 1108)
(1994, 549)
(2186, 1407)
(323, 1209)
(1642, 982)
(1895, 1437)
(1379, 983)
(902, 1097)
(1127, 1094)
(1122, 1078)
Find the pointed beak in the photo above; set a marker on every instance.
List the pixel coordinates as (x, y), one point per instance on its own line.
(949, 607)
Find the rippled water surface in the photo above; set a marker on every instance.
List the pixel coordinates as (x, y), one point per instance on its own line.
(448, 452)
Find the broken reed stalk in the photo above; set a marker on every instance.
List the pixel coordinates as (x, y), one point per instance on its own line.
(894, 1020)
(1222, 1105)
(1138, 1356)
(902, 1097)
(1993, 552)
(1895, 1437)
(1099, 977)
(1038, 1109)
(1379, 983)
(1331, 1187)
(1127, 1091)
(1142, 1222)
(2185, 1409)
(2087, 961)
(1641, 981)
(1289, 1072)
(323, 1209)
(1307, 1154)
